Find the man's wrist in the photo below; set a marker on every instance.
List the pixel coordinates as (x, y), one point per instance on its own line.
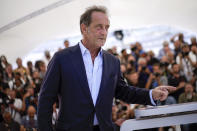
(151, 98)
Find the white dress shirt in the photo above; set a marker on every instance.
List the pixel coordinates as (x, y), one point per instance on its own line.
(93, 73)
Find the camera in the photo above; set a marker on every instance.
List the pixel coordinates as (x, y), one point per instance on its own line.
(164, 64)
(6, 101)
(134, 48)
(156, 74)
(132, 63)
(143, 68)
(11, 101)
(124, 108)
(185, 54)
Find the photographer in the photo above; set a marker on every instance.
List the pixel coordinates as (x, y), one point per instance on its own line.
(29, 122)
(143, 72)
(193, 40)
(14, 106)
(177, 80)
(121, 111)
(3, 64)
(151, 59)
(135, 51)
(193, 55)
(124, 56)
(188, 96)
(180, 38)
(8, 123)
(9, 77)
(164, 66)
(133, 79)
(164, 50)
(185, 62)
(3, 98)
(36, 81)
(131, 64)
(154, 78)
(29, 99)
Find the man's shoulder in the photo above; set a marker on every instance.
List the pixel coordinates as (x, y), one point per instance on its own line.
(68, 50)
(111, 56)
(62, 54)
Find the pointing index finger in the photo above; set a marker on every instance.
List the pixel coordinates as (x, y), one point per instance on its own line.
(169, 88)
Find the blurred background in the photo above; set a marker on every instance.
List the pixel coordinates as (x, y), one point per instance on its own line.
(29, 27)
(155, 41)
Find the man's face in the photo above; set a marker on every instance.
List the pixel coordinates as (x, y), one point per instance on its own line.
(43, 67)
(66, 44)
(13, 94)
(134, 78)
(19, 62)
(193, 40)
(156, 69)
(9, 69)
(96, 32)
(31, 112)
(166, 48)
(7, 117)
(138, 45)
(31, 91)
(177, 44)
(189, 88)
(29, 65)
(194, 48)
(175, 68)
(185, 49)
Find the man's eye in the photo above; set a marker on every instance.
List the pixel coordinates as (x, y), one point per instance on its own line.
(106, 28)
(99, 27)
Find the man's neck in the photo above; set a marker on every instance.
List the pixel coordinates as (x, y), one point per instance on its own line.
(93, 51)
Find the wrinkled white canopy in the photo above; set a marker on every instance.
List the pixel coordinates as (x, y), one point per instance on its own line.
(19, 33)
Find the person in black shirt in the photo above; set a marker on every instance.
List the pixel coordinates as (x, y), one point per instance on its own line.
(8, 124)
(176, 80)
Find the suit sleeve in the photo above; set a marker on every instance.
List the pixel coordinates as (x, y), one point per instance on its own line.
(48, 95)
(131, 94)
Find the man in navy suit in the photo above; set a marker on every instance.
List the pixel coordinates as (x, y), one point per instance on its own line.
(86, 78)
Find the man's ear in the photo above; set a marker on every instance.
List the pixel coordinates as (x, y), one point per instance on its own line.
(84, 28)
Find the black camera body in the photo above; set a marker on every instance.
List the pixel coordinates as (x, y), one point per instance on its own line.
(156, 74)
(124, 108)
(184, 54)
(143, 68)
(134, 48)
(11, 101)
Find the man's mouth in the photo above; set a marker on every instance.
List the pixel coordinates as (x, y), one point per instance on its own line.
(101, 38)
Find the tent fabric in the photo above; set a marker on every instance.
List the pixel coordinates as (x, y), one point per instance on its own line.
(63, 21)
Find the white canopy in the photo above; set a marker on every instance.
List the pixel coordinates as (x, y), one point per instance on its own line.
(25, 24)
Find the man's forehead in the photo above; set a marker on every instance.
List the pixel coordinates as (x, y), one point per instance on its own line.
(96, 15)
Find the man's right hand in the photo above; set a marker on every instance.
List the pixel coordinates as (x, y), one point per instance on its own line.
(161, 92)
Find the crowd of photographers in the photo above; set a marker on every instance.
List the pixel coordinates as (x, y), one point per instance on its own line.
(19, 88)
(176, 67)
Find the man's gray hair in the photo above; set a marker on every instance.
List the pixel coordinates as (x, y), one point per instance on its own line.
(86, 16)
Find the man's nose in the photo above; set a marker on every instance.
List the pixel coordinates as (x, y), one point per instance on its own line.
(104, 31)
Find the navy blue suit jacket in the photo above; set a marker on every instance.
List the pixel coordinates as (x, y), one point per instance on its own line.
(66, 79)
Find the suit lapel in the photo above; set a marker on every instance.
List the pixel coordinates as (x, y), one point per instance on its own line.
(78, 64)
